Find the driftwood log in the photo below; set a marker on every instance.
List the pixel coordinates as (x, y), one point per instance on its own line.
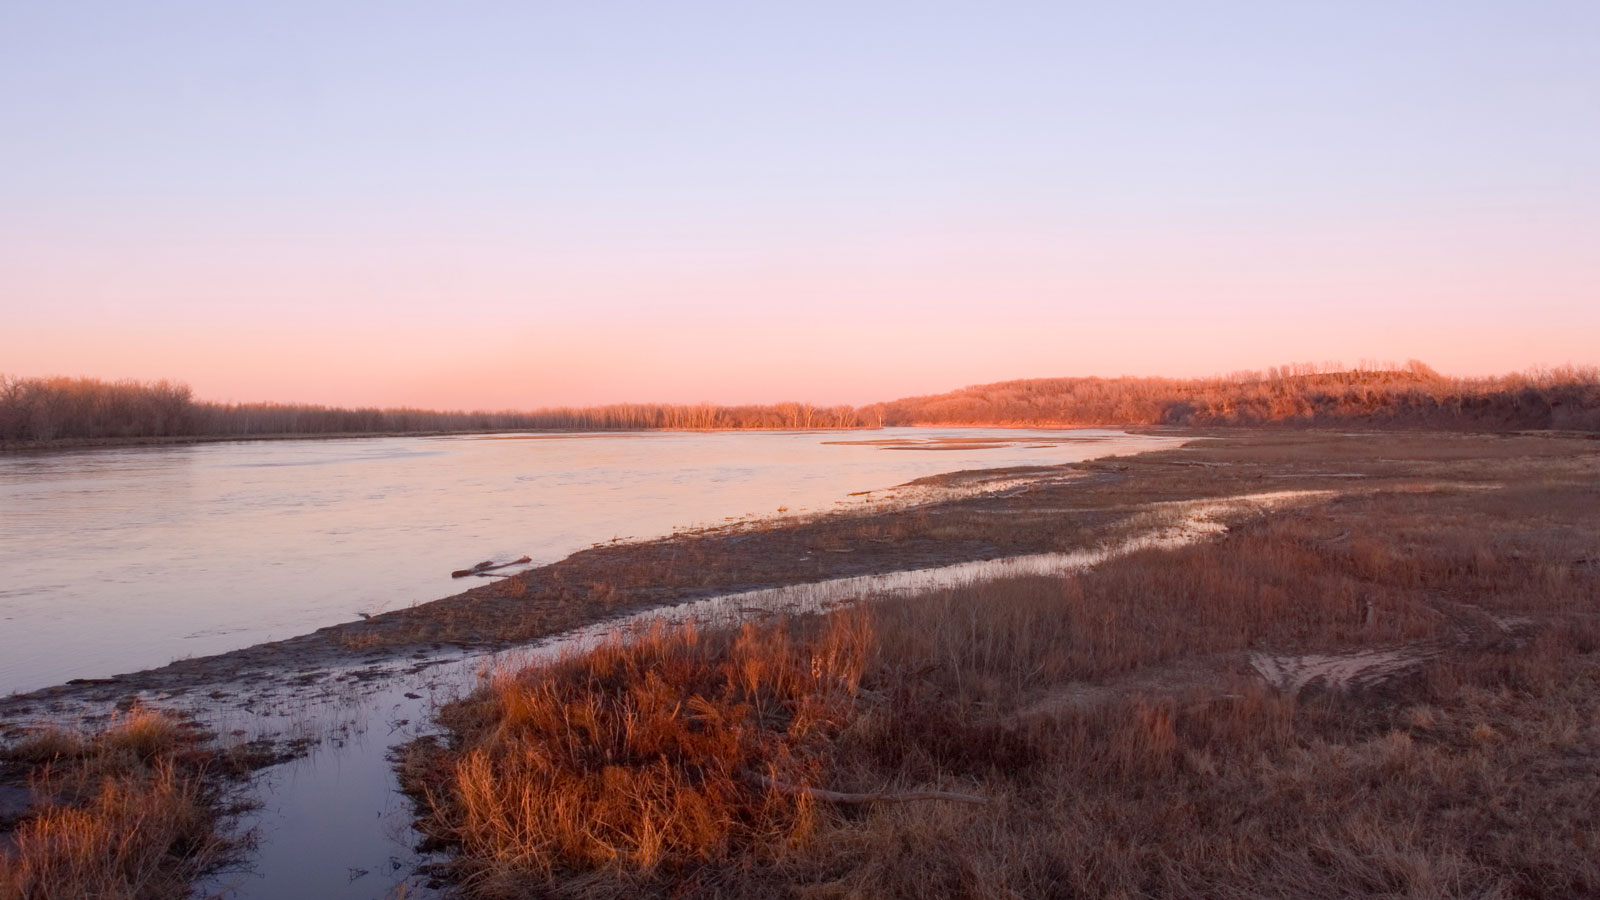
(842, 797)
(488, 565)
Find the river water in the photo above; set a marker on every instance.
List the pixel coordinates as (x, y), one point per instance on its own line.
(116, 560)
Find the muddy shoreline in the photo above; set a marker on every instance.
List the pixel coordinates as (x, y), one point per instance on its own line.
(953, 518)
(432, 633)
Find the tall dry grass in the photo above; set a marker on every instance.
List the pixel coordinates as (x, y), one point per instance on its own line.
(126, 813)
(642, 755)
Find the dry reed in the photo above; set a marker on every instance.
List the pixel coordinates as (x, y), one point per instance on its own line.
(643, 754)
(126, 813)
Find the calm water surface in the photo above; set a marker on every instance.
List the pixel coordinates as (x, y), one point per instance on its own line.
(117, 560)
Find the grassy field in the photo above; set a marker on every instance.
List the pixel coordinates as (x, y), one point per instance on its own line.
(1392, 691)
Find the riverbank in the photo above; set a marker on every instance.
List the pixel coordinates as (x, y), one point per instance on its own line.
(58, 444)
(952, 518)
(68, 444)
(183, 440)
(1388, 685)
(1529, 497)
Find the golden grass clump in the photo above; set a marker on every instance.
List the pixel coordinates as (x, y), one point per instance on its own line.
(644, 754)
(121, 843)
(127, 813)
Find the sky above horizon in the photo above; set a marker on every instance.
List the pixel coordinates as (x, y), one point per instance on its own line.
(516, 205)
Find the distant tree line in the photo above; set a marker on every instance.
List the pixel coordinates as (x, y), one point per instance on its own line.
(64, 409)
(1413, 395)
(1564, 398)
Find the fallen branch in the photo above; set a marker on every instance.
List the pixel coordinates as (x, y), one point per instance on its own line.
(828, 796)
(488, 566)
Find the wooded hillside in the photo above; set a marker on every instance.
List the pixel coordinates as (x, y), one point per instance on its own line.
(1412, 395)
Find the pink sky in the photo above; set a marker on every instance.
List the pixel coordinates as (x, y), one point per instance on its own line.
(490, 326)
(538, 204)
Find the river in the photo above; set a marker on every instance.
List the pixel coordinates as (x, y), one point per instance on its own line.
(117, 560)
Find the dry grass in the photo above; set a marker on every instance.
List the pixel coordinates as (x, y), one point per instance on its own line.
(643, 755)
(126, 813)
(1113, 718)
